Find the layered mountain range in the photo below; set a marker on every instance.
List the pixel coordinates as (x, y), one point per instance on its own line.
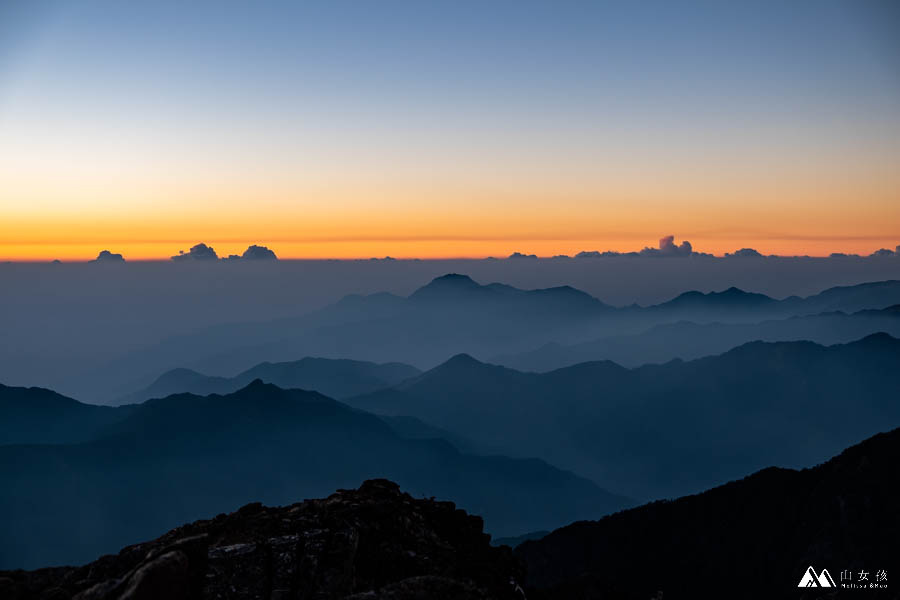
(378, 543)
(178, 458)
(660, 431)
(534, 409)
(450, 315)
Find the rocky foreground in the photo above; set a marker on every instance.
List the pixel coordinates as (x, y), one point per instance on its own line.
(372, 543)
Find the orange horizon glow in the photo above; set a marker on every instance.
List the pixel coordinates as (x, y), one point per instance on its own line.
(144, 130)
(149, 208)
(435, 249)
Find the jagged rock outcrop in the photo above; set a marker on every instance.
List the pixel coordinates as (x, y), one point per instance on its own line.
(374, 543)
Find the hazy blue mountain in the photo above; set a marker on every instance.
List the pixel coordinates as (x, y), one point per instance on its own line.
(336, 378)
(178, 381)
(416, 429)
(766, 530)
(688, 340)
(850, 298)
(714, 304)
(39, 416)
(179, 458)
(666, 430)
(450, 315)
(737, 305)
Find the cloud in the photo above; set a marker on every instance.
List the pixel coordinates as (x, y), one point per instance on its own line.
(199, 252)
(255, 252)
(668, 247)
(607, 254)
(744, 253)
(886, 252)
(517, 255)
(106, 256)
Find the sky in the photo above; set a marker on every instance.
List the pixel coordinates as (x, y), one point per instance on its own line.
(447, 129)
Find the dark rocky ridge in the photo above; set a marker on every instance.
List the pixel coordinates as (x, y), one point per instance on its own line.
(752, 538)
(374, 543)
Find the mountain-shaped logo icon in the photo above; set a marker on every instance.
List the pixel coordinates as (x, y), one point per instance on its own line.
(810, 579)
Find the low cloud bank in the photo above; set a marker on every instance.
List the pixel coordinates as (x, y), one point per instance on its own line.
(667, 248)
(207, 253)
(199, 252)
(106, 256)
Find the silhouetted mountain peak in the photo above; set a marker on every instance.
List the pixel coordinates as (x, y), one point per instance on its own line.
(732, 296)
(259, 386)
(879, 339)
(567, 291)
(463, 369)
(456, 287)
(455, 279)
(462, 360)
(409, 548)
(450, 284)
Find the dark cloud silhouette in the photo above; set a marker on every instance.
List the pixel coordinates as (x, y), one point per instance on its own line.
(199, 252)
(668, 247)
(607, 254)
(108, 257)
(884, 252)
(255, 252)
(520, 255)
(744, 253)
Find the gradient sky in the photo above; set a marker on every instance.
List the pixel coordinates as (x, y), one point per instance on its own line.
(357, 129)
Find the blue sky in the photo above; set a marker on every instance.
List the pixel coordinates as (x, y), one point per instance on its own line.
(506, 100)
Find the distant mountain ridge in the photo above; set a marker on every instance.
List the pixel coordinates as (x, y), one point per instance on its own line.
(450, 315)
(40, 416)
(336, 378)
(774, 524)
(176, 458)
(696, 423)
(871, 295)
(726, 299)
(688, 340)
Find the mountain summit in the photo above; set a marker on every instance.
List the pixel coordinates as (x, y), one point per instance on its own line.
(449, 285)
(371, 542)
